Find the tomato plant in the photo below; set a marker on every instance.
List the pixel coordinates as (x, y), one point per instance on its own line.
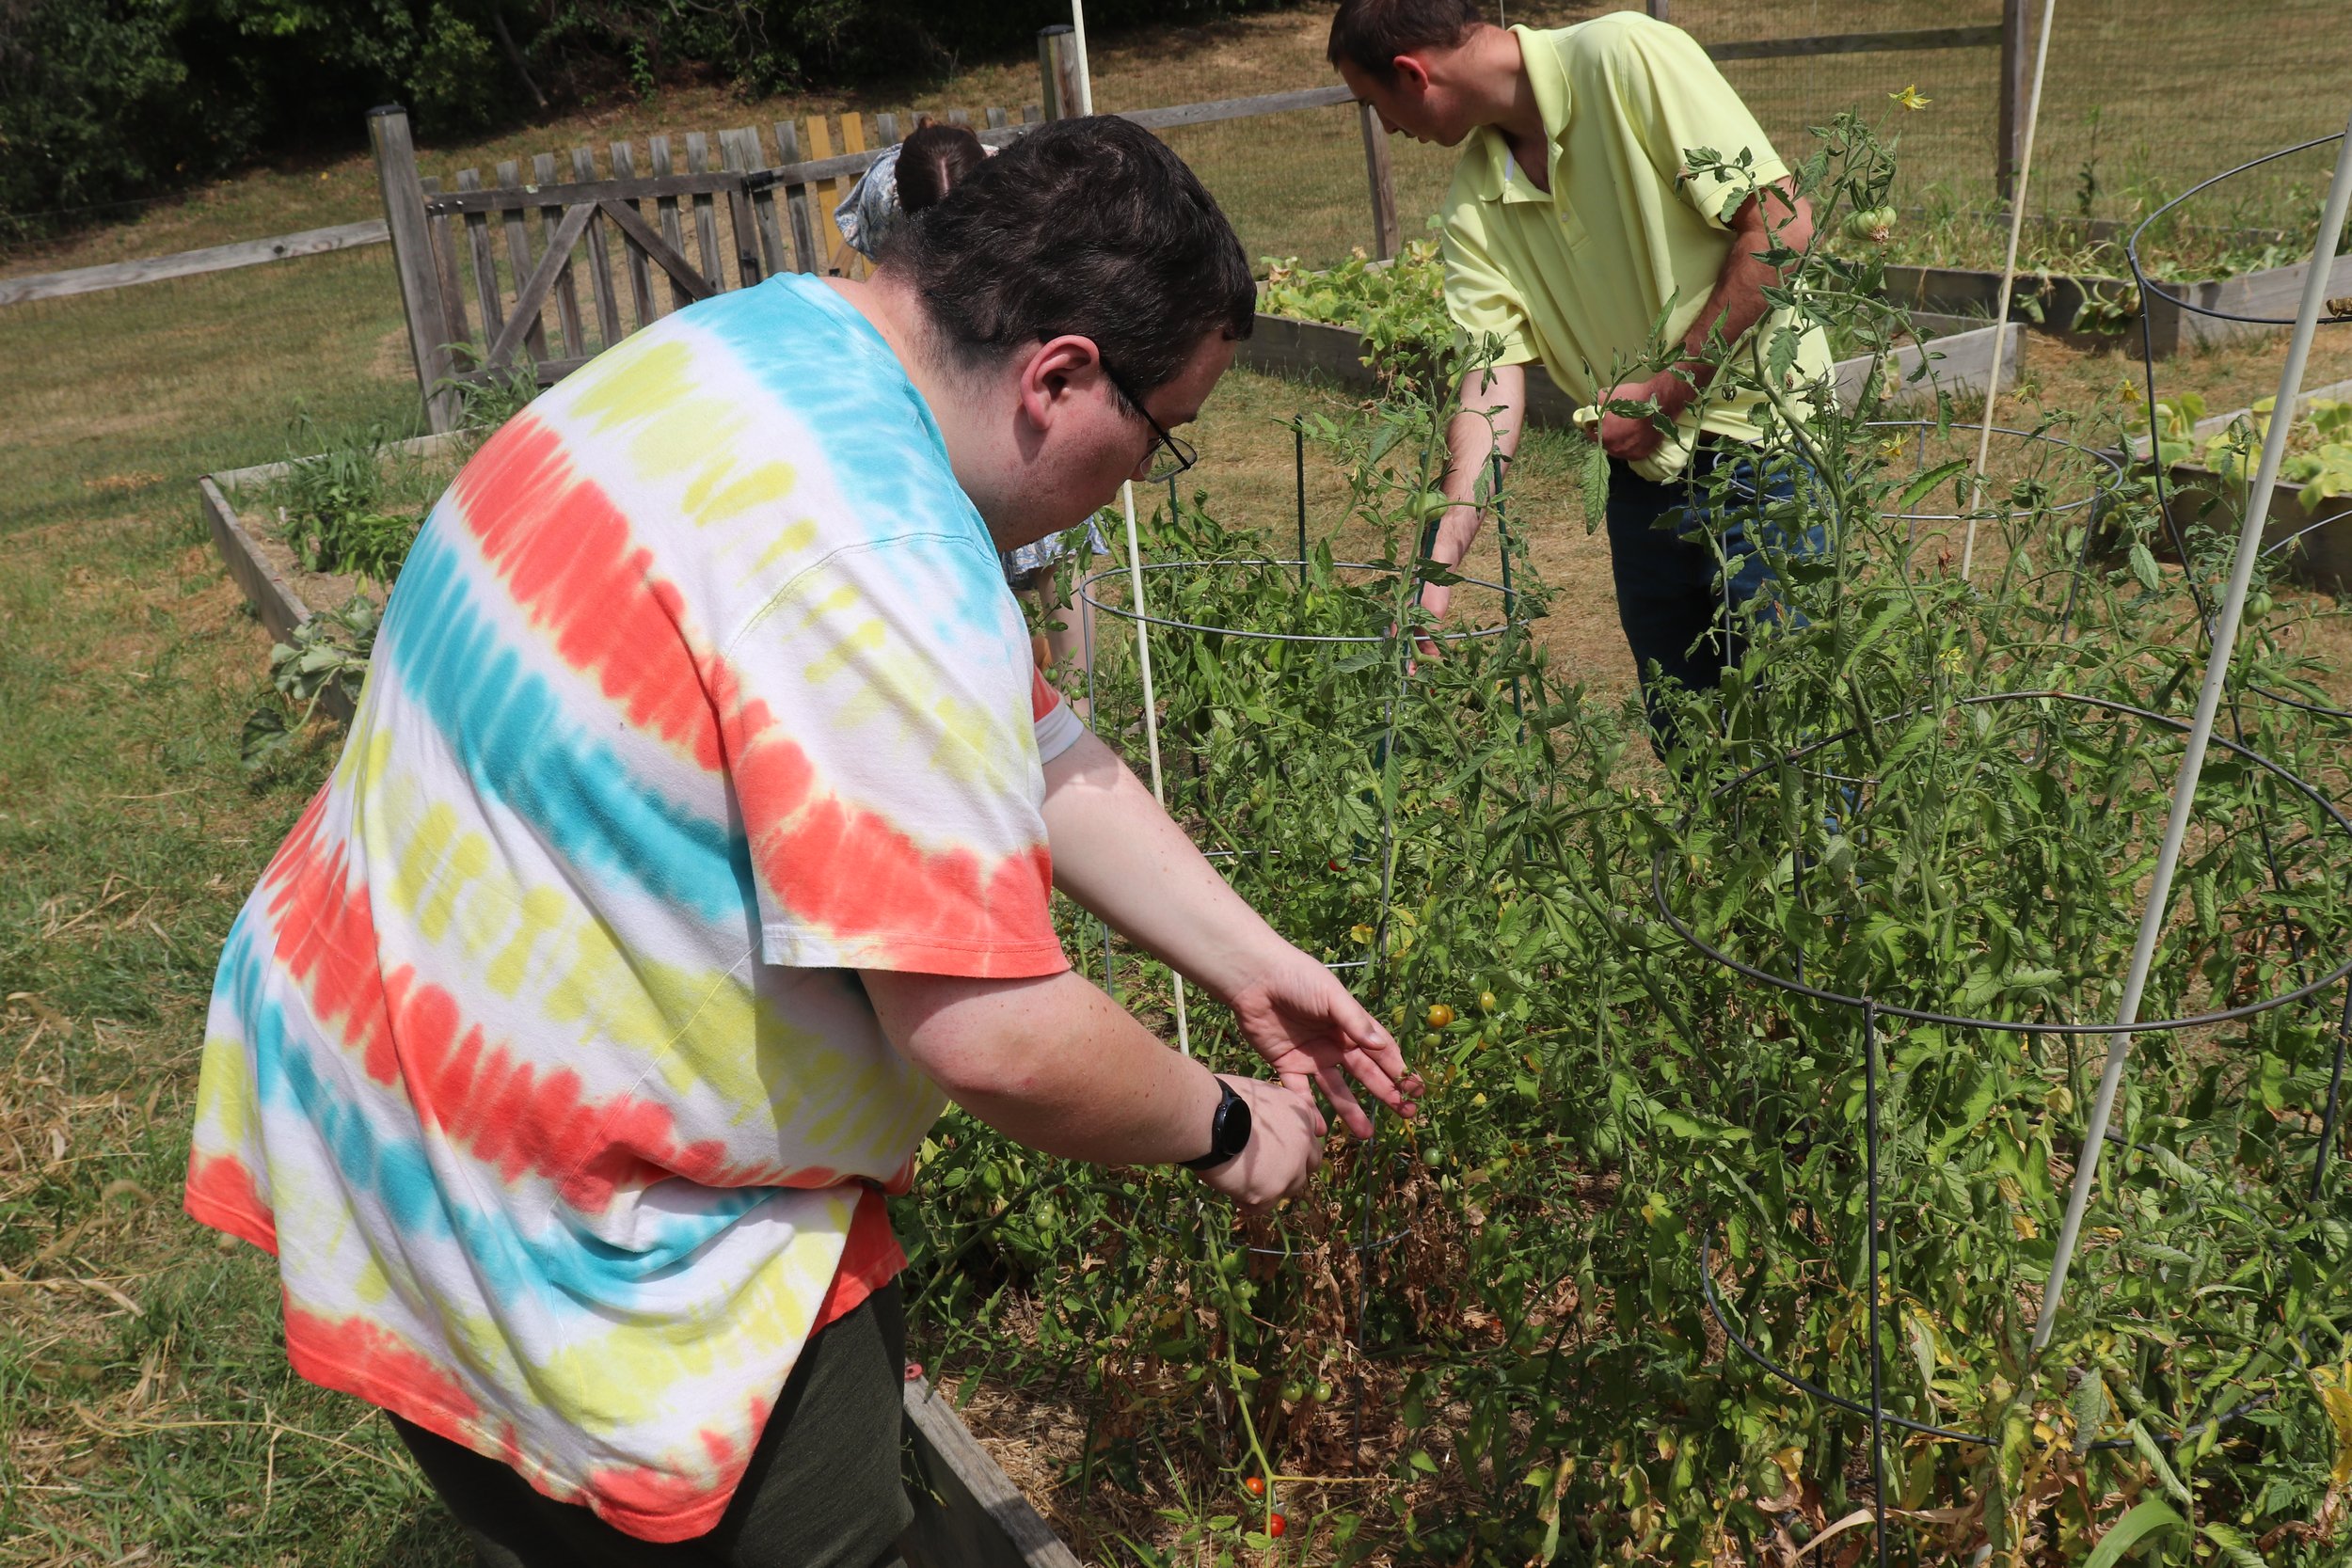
(1489, 1337)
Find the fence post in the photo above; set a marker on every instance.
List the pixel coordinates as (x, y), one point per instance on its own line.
(412, 260)
(1658, 10)
(1385, 232)
(1057, 70)
(2016, 26)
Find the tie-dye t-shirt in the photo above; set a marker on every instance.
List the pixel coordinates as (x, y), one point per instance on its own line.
(538, 1056)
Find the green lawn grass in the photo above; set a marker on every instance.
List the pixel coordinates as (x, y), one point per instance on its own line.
(121, 398)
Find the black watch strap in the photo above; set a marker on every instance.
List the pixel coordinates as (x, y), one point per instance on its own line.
(1229, 1130)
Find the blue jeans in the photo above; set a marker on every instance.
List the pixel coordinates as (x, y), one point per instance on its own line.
(1676, 598)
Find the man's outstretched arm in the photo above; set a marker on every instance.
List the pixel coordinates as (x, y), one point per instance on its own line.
(1494, 408)
(1775, 218)
(1056, 1064)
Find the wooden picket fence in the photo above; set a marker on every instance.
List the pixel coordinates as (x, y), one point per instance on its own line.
(540, 270)
(537, 272)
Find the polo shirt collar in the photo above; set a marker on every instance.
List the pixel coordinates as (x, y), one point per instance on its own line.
(1550, 83)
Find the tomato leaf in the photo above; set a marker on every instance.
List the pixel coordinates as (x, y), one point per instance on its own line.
(2138, 1525)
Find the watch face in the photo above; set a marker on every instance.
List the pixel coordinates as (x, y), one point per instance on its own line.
(1232, 1126)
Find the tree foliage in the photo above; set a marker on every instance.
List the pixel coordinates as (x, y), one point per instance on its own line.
(104, 99)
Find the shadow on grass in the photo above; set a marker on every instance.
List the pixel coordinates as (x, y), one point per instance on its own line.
(426, 1537)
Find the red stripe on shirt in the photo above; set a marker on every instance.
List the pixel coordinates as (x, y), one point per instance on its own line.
(361, 1357)
(221, 1194)
(1043, 697)
(567, 554)
(849, 872)
(325, 940)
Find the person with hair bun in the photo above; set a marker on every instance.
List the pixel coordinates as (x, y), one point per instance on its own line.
(695, 843)
(904, 181)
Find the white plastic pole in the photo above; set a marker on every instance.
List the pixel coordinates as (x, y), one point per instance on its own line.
(2250, 541)
(2009, 281)
(1151, 707)
(1085, 77)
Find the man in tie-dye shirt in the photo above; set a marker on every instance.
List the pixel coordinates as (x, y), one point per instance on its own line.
(693, 842)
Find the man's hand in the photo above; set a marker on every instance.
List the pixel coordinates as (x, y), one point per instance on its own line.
(1455, 523)
(1435, 596)
(1284, 1152)
(1629, 438)
(1312, 1032)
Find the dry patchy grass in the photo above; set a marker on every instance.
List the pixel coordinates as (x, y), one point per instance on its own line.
(149, 1411)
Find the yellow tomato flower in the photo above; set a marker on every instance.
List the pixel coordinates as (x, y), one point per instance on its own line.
(1911, 97)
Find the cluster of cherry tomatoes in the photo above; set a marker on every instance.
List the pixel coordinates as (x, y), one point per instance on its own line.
(1276, 1524)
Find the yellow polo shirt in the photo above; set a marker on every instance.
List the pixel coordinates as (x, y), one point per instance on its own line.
(1577, 276)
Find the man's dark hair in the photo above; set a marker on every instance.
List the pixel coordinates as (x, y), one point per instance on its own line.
(1370, 33)
(932, 159)
(1087, 226)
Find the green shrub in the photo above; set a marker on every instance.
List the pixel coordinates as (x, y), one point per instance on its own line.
(101, 101)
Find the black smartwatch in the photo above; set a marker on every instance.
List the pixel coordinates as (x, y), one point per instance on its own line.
(1229, 1130)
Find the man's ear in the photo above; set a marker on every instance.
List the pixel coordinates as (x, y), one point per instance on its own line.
(1412, 75)
(1060, 369)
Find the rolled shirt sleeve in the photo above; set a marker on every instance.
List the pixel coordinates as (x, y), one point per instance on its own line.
(1675, 101)
(1478, 296)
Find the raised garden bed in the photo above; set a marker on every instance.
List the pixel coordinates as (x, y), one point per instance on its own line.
(1953, 299)
(967, 1512)
(2315, 540)
(2053, 302)
(1286, 345)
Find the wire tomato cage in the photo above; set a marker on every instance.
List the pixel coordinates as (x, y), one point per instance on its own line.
(1872, 1013)
(2152, 289)
(2059, 481)
(2054, 463)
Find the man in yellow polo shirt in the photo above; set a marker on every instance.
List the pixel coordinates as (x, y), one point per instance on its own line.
(1574, 225)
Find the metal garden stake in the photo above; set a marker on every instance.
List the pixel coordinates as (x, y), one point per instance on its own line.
(2225, 629)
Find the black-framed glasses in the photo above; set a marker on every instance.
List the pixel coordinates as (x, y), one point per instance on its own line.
(1174, 454)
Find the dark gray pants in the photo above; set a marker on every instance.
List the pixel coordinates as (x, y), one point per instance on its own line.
(822, 1489)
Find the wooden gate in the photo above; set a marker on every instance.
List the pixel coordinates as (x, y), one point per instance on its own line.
(491, 274)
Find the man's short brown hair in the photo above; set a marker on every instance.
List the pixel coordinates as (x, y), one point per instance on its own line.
(1370, 33)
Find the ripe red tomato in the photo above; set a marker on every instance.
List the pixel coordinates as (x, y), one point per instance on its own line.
(1255, 1486)
(1277, 1524)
